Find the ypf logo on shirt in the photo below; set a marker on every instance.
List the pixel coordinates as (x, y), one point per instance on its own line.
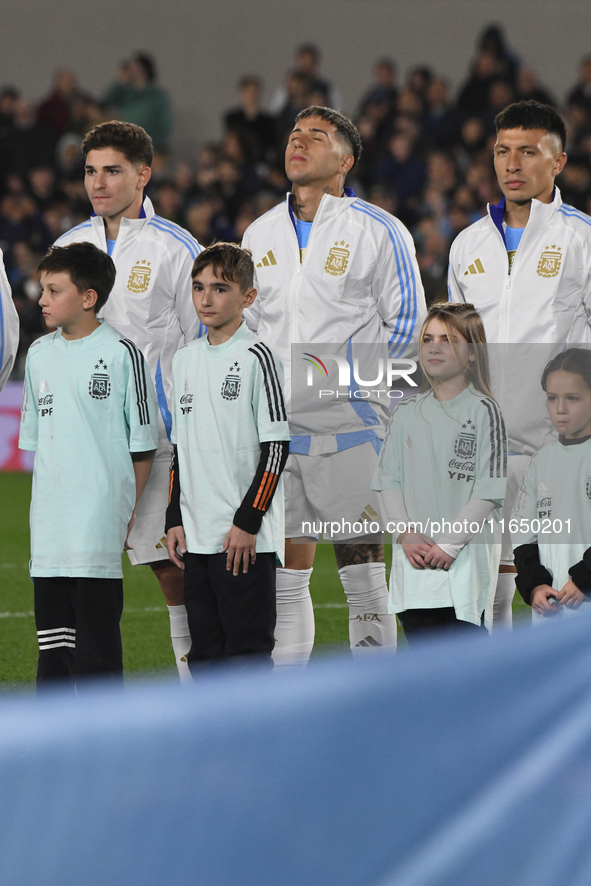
(44, 399)
(139, 279)
(99, 386)
(550, 261)
(337, 259)
(185, 403)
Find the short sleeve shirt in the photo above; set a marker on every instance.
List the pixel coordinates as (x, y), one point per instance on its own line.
(87, 404)
(227, 400)
(442, 454)
(553, 507)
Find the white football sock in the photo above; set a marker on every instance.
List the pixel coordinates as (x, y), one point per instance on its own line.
(294, 631)
(370, 625)
(181, 640)
(502, 614)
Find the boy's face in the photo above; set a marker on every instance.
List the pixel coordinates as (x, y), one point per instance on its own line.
(219, 303)
(62, 303)
(113, 184)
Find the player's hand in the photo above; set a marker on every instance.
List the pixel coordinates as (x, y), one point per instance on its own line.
(570, 595)
(241, 548)
(175, 538)
(438, 559)
(416, 546)
(540, 602)
(126, 545)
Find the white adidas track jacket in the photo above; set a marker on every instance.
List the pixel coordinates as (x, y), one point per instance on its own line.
(531, 313)
(151, 300)
(359, 283)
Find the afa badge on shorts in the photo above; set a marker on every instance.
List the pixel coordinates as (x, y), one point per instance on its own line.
(550, 261)
(465, 443)
(337, 259)
(99, 386)
(139, 279)
(588, 488)
(231, 383)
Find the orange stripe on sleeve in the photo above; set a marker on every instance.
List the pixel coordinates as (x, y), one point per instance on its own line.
(273, 478)
(261, 490)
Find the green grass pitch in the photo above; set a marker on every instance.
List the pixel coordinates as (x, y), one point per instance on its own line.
(144, 626)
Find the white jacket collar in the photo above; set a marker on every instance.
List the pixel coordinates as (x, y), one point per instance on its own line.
(540, 213)
(147, 212)
(329, 206)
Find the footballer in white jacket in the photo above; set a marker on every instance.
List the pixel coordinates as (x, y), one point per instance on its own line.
(526, 266)
(543, 302)
(357, 285)
(150, 304)
(336, 277)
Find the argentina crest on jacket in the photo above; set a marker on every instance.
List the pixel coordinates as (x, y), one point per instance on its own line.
(550, 261)
(139, 279)
(337, 259)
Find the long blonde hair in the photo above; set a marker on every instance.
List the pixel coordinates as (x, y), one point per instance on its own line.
(463, 318)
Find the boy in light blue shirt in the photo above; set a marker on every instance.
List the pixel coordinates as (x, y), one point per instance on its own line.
(231, 438)
(89, 412)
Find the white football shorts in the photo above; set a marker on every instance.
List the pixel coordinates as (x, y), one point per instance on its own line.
(147, 537)
(331, 495)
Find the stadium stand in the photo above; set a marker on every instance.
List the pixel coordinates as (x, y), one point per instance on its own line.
(427, 156)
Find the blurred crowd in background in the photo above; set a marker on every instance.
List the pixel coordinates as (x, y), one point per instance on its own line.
(427, 154)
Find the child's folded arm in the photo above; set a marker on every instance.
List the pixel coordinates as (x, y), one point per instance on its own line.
(175, 534)
(475, 511)
(393, 507)
(173, 511)
(581, 573)
(415, 544)
(530, 572)
(404, 530)
(257, 500)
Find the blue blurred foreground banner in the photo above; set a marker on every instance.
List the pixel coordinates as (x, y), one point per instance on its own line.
(455, 764)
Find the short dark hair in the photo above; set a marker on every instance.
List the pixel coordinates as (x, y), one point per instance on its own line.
(345, 128)
(532, 115)
(575, 360)
(133, 141)
(229, 261)
(88, 266)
